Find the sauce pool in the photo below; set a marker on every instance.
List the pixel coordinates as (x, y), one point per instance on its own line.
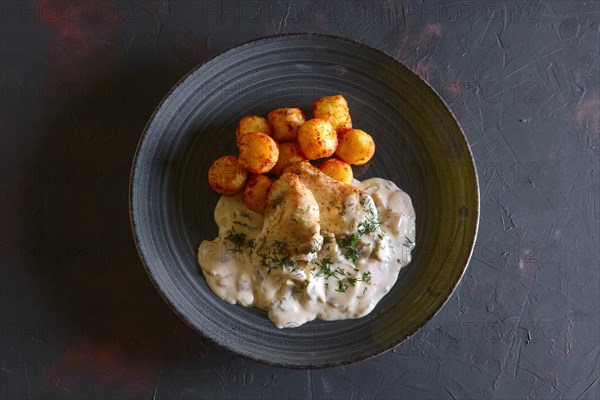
(347, 277)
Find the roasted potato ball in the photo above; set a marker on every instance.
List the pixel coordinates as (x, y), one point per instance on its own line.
(284, 123)
(251, 123)
(256, 192)
(355, 147)
(258, 152)
(288, 153)
(226, 176)
(317, 139)
(337, 169)
(335, 110)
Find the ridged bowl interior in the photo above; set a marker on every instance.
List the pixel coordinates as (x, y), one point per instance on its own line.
(420, 147)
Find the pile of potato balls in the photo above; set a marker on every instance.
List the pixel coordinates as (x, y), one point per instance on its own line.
(268, 146)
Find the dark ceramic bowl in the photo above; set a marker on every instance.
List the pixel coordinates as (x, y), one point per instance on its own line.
(420, 146)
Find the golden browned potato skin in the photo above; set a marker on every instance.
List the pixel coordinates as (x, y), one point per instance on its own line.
(226, 176)
(251, 123)
(317, 139)
(284, 123)
(256, 193)
(355, 147)
(338, 170)
(258, 152)
(335, 110)
(288, 153)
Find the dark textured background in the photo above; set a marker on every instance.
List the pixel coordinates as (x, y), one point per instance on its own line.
(80, 318)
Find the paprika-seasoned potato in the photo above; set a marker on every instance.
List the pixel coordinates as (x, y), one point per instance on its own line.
(258, 152)
(355, 147)
(288, 153)
(226, 176)
(317, 139)
(338, 169)
(284, 123)
(335, 110)
(256, 192)
(251, 123)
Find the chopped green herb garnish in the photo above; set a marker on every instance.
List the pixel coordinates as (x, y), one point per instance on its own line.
(341, 287)
(350, 240)
(246, 215)
(368, 226)
(371, 225)
(366, 277)
(281, 258)
(316, 246)
(348, 246)
(351, 253)
(326, 269)
(280, 246)
(238, 240)
(288, 262)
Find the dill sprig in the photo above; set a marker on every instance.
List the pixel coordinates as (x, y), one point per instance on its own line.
(238, 240)
(342, 287)
(326, 270)
(350, 240)
(280, 258)
(366, 277)
(246, 215)
(351, 253)
(370, 225)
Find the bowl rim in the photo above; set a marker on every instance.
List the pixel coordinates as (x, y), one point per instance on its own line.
(136, 234)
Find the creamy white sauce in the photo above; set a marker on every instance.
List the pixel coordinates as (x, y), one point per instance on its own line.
(331, 286)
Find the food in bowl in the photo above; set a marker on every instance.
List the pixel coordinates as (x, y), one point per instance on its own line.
(302, 242)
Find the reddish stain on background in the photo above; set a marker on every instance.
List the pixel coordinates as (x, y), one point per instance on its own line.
(414, 46)
(103, 366)
(196, 49)
(453, 89)
(432, 30)
(85, 37)
(587, 116)
(423, 70)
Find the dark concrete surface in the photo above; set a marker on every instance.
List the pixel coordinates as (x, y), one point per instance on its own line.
(80, 318)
